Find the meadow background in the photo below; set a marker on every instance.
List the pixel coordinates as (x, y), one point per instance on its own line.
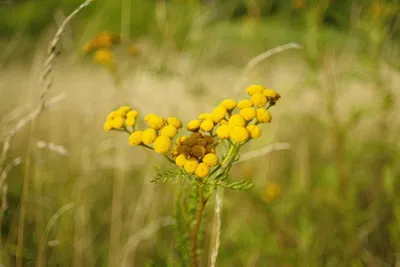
(332, 199)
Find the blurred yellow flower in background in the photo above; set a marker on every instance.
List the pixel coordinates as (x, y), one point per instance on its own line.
(271, 192)
(104, 57)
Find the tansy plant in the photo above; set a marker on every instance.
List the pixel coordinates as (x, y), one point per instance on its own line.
(202, 159)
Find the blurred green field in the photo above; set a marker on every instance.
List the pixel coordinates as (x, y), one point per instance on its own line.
(339, 201)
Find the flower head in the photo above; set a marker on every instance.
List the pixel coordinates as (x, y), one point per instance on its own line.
(246, 103)
(236, 120)
(132, 114)
(108, 125)
(210, 159)
(218, 113)
(180, 160)
(255, 131)
(224, 131)
(190, 165)
(154, 121)
(135, 138)
(104, 56)
(198, 151)
(259, 100)
(228, 104)
(148, 136)
(162, 144)
(248, 113)
(117, 122)
(169, 131)
(174, 122)
(263, 115)
(253, 89)
(130, 121)
(193, 125)
(207, 125)
(202, 170)
(240, 134)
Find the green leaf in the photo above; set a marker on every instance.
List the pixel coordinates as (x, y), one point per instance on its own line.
(237, 185)
(165, 175)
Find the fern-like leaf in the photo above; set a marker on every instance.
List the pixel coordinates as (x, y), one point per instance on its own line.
(165, 175)
(237, 185)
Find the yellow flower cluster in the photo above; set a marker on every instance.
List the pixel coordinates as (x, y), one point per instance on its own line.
(121, 118)
(103, 40)
(101, 45)
(159, 133)
(195, 154)
(238, 121)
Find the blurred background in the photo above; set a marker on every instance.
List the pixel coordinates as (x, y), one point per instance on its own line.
(332, 199)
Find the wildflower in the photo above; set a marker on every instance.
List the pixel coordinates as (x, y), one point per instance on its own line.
(218, 113)
(148, 136)
(125, 109)
(224, 131)
(248, 113)
(162, 144)
(202, 170)
(246, 103)
(207, 125)
(190, 165)
(253, 89)
(180, 139)
(210, 159)
(180, 160)
(223, 122)
(228, 104)
(254, 130)
(130, 121)
(154, 121)
(270, 93)
(240, 134)
(132, 113)
(236, 120)
(193, 125)
(169, 131)
(259, 100)
(190, 141)
(201, 142)
(108, 125)
(271, 192)
(117, 122)
(198, 151)
(112, 115)
(205, 116)
(174, 122)
(104, 57)
(175, 152)
(135, 138)
(263, 115)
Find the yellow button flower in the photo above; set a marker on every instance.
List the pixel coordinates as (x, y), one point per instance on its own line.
(125, 108)
(112, 115)
(223, 122)
(210, 159)
(130, 121)
(117, 122)
(205, 116)
(154, 121)
(236, 120)
(174, 121)
(207, 125)
(254, 130)
(193, 125)
(104, 56)
(228, 104)
(132, 114)
(246, 103)
(263, 115)
(248, 114)
(259, 100)
(218, 114)
(180, 160)
(270, 93)
(169, 131)
(190, 165)
(253, 89)
(162, 144)
(175, 152)
(148, 136)
(120, 113)
(202, 170)
(135, 138)
(198, 151)
(271, 192)
(240, 134)
(108, 125)
(224, 131)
